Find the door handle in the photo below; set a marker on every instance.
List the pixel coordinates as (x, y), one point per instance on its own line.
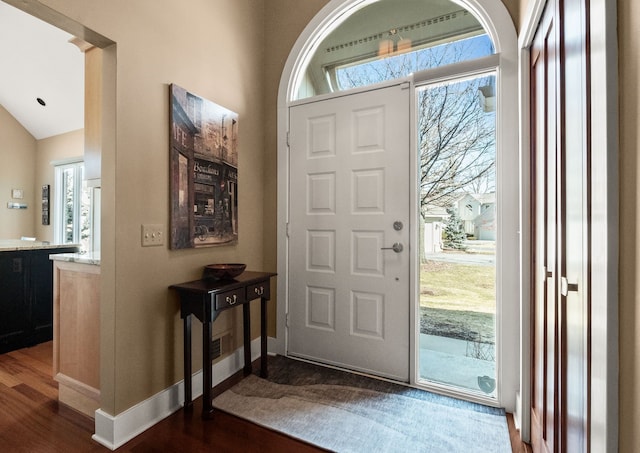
(566, 287)
(397, 247)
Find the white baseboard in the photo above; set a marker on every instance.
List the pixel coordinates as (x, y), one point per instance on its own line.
(114, 431)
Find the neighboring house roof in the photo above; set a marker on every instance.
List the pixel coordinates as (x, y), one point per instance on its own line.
(482, 198)
(485, 198)
(436, 211)
(445, 201)
(452, 200)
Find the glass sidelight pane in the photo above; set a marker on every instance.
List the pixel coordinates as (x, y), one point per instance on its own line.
(68, 204)
(74, 210)
(457, 196)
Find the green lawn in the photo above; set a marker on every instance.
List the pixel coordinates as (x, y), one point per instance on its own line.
(462, 287)
(458, 301)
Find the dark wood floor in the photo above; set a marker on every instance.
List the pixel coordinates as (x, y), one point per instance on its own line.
(517, 446)
(32, 421)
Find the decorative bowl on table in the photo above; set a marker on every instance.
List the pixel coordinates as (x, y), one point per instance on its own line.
(223, 271)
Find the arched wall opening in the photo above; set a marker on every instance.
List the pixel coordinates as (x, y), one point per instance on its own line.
(497, 23)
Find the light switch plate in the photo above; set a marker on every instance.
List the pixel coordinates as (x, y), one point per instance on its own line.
(152, 235)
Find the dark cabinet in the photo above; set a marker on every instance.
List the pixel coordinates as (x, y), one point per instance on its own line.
(13, 307)
(26, 297)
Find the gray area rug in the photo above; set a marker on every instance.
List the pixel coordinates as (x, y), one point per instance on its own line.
(344, 412)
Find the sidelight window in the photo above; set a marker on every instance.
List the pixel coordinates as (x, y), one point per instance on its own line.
(72, 218)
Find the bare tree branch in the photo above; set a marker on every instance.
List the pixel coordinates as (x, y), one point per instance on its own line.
(456, 137)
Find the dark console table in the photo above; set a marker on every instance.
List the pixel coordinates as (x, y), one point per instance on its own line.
(205, 299)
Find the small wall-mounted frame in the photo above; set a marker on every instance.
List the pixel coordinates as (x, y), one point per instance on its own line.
(45, 204)
(17, 194)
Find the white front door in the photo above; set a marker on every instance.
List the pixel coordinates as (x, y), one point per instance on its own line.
(349, 231)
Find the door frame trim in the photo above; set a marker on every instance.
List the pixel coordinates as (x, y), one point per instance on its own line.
(498, 23)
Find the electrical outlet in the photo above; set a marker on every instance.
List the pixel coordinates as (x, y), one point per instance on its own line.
(152, 235)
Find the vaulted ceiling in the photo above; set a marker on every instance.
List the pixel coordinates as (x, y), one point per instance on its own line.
(38, 61)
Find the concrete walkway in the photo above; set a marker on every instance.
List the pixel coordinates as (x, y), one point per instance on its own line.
(462, 258)
(445, 361)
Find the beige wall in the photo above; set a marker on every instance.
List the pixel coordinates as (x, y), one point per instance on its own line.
(629, 57)
(513, 6)
(522, 8)
(18, 160)
(59, 147)
(214, 49)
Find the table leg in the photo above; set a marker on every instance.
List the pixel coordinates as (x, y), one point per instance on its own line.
(207, 406)
(246, 328)
(263, 338)
(188, 403)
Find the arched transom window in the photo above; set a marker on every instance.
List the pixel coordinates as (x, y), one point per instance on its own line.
(391, 39)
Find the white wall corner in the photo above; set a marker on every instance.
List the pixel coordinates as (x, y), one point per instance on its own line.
(274, 346)
(114, 431)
